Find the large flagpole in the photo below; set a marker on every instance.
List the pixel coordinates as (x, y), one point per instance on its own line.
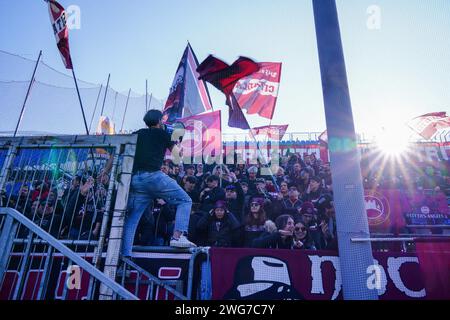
(355, 258)
(95, 107)
(106, 91)
(150, 100)
(79, 99)
(125, 112)
(146, 96)
(28, 93)
(235, 104)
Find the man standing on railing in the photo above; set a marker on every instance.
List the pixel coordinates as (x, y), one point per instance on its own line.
(148, 183)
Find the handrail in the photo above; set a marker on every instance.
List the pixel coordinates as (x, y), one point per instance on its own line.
(154, 279)
(403, 239)
(86, 266)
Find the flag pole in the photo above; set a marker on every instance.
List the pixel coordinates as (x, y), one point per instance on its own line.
(146, 96)
(115, 103)
(150, 100)
(106, 91)
(95, 108)
(264, 160)
(256, 142)
(28, 93)
(84, 117)
(125, 112)
(81, 103)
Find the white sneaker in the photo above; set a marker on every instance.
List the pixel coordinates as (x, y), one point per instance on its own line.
(182, 242)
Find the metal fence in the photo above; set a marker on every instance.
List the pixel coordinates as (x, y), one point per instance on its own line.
(63, 205)
(75, 189)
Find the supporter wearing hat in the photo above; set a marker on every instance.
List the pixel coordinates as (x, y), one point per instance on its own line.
(220, 226)
(308, 217)
(292, 204)
(234, 196)
(211, 194)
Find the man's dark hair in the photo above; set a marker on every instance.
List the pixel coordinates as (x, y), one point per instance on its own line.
(191, 180)
(281, 221)
(152, 117)
(212, 178)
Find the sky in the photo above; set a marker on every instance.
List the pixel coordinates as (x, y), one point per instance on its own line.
(398, 66)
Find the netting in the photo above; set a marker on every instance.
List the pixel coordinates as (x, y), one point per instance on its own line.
(53, 106)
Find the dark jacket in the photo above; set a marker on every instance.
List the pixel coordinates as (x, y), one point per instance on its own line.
(220, 232)
(210, 197)
(272, 240)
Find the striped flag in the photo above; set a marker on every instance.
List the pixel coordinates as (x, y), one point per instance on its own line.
(58, 20)
(428, 124)
(188, 95)
(272, 131)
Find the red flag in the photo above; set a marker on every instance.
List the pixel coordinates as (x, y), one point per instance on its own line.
(203, 134)
(223, 76)
(257, 93)
(428, 124)
(272, 131)
(58, 21)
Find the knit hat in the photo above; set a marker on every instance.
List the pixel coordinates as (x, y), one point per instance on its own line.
(307, 208)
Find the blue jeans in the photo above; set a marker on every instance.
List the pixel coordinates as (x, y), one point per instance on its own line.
(145, 187)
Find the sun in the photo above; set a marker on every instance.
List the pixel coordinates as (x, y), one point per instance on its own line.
(392, 143)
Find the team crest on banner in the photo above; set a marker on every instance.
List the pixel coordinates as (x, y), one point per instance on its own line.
(377, 208)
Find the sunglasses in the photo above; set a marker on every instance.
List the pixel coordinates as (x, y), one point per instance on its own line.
(300, 228)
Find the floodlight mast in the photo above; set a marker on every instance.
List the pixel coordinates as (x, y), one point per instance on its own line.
(351, 218)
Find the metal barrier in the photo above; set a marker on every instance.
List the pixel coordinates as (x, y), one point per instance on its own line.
(73, 187)
(144, 277)
(68, 197)
(13, 217)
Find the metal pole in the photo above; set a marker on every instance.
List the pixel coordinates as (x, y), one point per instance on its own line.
(115, 104)
(351, 217)
(95, 108)
(106, 91)
(150, 100)
(125, 112)
(28, 93)
(146, 96)
(84, 116)
(81, 103)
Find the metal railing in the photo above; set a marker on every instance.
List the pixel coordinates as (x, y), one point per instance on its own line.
(12, 220)
(137, 277)
(74, 188)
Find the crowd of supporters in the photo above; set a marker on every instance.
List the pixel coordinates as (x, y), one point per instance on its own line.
(243, 205)
(66, 209)
(237, 205)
